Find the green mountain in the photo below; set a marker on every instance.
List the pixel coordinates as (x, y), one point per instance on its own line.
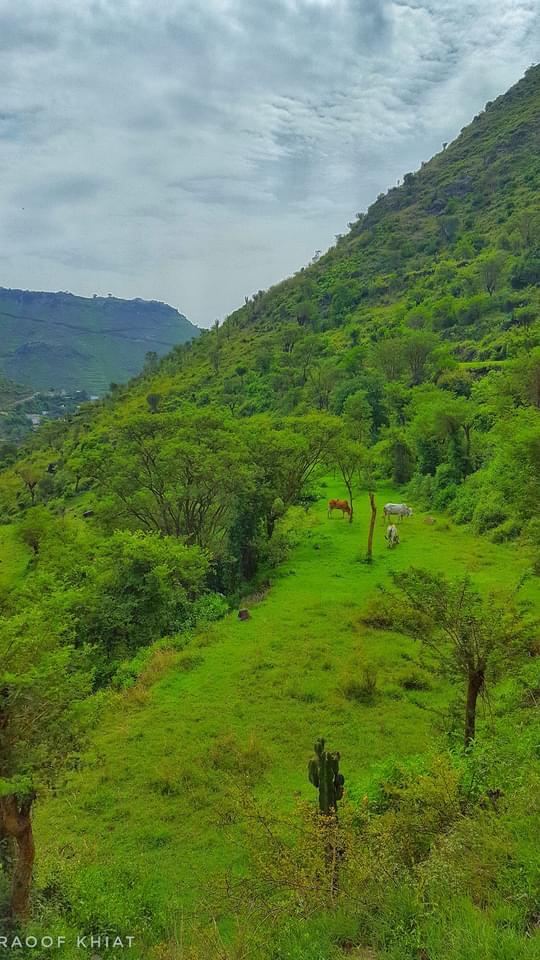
(182, 618)
(61, 341)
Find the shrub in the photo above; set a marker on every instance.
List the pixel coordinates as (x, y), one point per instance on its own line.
(363, 690)
(229, 756)
(487, 516)
(414, 679)
(508, 530)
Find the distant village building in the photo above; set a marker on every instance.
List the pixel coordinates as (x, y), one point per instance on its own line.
(35, 419)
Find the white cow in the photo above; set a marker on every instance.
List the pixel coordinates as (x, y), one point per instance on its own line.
(397, 510)
(392, 536)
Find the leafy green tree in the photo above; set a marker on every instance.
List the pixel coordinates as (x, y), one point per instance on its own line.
(469, 636)
(43, 680)
(526, 271)
(449, 227)
(396, 455)
(180, 474)
(358, 417)
(449, 421)
(232, 393)
(352, 459)
(289, 453)
(35, 527)
(322, 378)
(418, 350)
(305, 354)
(137, 587)
(388, 357)
(525, 374)
(490, 272)
(30, 475)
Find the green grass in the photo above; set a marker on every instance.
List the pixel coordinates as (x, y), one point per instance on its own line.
(14, 557)
(138, 830)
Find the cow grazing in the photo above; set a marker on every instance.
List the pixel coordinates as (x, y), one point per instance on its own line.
(392, 536)
(397, 510)
(342, 505)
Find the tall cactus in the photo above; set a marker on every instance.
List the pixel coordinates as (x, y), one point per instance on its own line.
(323, 773)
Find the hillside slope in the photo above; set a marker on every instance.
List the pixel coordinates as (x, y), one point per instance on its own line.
(453, 251)
(143, 836)
(405, 361)
(61, 341)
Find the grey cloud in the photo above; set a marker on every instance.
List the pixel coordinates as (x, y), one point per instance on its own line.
(66, 190)
(197, 150)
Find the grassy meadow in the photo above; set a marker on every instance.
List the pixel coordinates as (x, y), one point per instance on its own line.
(142, 827)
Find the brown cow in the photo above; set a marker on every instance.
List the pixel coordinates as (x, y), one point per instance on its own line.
(342, 505)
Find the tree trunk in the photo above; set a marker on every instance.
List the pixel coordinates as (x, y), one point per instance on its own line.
(369, 555)
(17, 824)
(474, 686)
(349, 491)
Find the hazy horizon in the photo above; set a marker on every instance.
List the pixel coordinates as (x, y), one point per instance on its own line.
(200, 151)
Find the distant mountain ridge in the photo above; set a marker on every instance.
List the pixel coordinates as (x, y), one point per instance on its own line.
(64, 341)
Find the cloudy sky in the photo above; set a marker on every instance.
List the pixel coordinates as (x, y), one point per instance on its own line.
(194, 151)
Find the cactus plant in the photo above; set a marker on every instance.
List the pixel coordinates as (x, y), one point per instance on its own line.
(323, 773)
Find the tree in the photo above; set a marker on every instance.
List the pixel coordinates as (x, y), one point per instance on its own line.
(232, 393)
(418, 349)
(182, 474)
(469, 636)
(373, 518)
(358, 417)
(490, 273)
(215, 348)
(396, 455)
(322, 378)
(35, 527)
(448, 422)
(449, 226)
(528, 225)
(153, 400)
(151, 361)
(43, 678)
(526, 271)
(525, 375)
(30, 475)
(305, 352)
(289, 452)
(136, 587)
(351, 458)
(389, 358)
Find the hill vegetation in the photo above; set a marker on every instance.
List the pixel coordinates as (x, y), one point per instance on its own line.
(162, 745)
(61, 341)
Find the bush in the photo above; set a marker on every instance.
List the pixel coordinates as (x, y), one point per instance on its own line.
(487, 516)
(363, 690)
(209, 608)
(414, 679)
(229, 756)
(526, 271)
(508, 530)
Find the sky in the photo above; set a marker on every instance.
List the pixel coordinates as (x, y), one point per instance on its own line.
(195, 152)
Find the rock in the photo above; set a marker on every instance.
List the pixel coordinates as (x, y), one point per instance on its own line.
(244, 615)
(458, 188)
(429, 519)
